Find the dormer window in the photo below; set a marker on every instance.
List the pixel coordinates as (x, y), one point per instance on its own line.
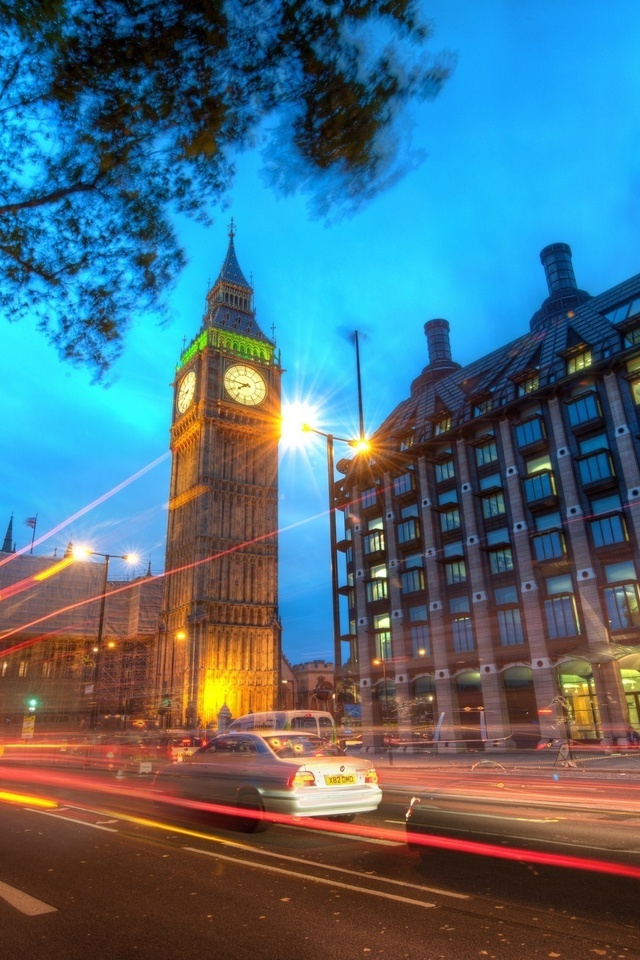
(443, 424)
(579, 360)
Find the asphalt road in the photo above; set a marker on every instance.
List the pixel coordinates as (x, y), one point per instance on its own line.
(102, 874)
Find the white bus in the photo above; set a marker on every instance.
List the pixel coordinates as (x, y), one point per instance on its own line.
(313, 721)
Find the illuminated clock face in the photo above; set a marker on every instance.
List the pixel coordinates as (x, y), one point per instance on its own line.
(186, 391)
(245, 384)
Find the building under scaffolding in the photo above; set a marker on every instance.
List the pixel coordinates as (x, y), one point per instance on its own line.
(56, 659)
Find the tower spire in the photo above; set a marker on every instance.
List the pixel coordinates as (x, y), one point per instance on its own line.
(7, 546)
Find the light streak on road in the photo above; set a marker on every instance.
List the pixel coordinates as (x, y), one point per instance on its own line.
(356, 830)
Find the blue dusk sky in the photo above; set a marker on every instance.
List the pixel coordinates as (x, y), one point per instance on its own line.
(535, 139)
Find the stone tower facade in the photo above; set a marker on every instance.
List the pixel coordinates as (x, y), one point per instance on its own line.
(219, 642)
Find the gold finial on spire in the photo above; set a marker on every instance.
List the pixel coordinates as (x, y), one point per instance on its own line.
(232, 229)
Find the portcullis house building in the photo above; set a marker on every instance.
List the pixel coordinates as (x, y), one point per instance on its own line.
(491, 546)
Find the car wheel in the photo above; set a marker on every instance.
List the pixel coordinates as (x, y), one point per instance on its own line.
(343, 817)
(251, 800)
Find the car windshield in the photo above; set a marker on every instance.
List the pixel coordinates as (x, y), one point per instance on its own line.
(296, 745)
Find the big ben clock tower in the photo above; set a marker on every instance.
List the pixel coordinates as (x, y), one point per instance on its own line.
(220, 634)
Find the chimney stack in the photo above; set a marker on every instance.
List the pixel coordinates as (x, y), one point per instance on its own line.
(558, 268)
(437, 333)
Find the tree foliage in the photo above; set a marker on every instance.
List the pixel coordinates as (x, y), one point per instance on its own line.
(117, 114)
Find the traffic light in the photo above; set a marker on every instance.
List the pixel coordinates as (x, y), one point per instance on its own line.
(32, 704)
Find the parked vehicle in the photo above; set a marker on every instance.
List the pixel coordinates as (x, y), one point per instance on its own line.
(276, 773)
(312, 721)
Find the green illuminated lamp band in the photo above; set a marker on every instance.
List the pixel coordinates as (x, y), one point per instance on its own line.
(237, 343)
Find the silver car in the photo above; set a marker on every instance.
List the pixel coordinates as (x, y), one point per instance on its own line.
(274, 774)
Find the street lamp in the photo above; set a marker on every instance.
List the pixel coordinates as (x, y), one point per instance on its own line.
(360, 446)
(382, 663)
(80, 553)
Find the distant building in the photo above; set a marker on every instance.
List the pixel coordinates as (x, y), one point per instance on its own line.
(491, 551)
(314, 685)
(50, 614)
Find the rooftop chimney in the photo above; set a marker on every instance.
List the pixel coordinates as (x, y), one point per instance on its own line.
(437, 333)
(556, 260)
(440, 363)
(564, 296)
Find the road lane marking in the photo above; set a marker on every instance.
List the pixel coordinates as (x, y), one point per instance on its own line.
(309, 877)
(24, 902)
(83, 823)
(335, 869)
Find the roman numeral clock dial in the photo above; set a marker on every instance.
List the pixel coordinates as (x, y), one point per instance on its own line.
(186, 391)
(245, 384)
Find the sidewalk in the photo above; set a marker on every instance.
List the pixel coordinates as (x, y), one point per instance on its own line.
(556, 759)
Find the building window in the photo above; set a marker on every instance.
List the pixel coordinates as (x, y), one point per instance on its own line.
(445, 471)
(529, 432)
(404, 484)
(619, 572)
(369, 498)
(455, 572)
(448, 497)
(579, 361)
(493, 505)
(443, 424)
(462, 629)
(382, 632)
(529, 385)
(22, 668)
(411, 581)
(487, 453)
(450, 520)
(373, 542)
(490, 483)
(408, 530)
(420, 640)
(624, 312)
(549, 546)
(377, 589)
(608, 530)
(562, 619)
(596, 467)
(510, 627)
(584, 409)
(623, 610)
(501, 561)
(484, 406)
(539, 486)
(4, 669)
(560, 608)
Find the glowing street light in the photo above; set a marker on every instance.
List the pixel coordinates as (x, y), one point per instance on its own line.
(83, 553)
(360, 446)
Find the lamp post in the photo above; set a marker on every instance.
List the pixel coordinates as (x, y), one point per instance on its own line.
(382, 663)
(179, 637)
(130, 558)
(360, 445)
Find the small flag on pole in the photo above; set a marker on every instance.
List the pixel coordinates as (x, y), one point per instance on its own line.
(31, 522)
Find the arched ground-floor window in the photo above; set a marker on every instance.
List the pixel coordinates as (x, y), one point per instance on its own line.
(423, 708)
(469, 726)
(522, 709)
(577, 688)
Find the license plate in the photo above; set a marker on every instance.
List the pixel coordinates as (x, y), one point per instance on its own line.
(340, 779)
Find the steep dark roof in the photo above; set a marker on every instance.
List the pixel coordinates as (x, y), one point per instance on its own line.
(496, 375)
(231, 272)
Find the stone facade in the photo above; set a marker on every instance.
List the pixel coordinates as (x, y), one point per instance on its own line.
(219, 641)
(491, 548)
